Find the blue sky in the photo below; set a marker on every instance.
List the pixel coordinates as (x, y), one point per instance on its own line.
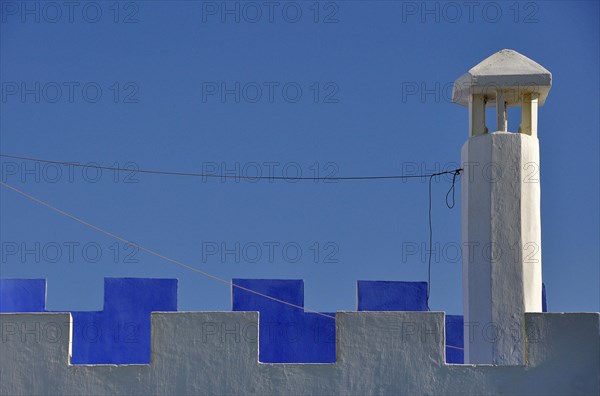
(339, 88)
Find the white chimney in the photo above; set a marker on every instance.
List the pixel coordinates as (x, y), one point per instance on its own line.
(501, 227)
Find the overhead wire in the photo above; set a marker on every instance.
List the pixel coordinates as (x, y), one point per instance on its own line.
(225, 176)
(454, 172)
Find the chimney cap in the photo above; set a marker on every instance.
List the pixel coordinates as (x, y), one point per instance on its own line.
(513, 73)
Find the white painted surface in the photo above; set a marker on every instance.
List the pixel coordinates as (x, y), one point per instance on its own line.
(501, 120)
(501, 227)
(507, 70)
(477, 115)
(392, 353)
(529, 115)
(504, 79)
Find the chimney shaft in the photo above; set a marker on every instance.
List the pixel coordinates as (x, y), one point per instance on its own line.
(501, 226)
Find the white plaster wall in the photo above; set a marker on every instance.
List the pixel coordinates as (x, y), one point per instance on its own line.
(531, 223)
(392, 353)
(501, 242)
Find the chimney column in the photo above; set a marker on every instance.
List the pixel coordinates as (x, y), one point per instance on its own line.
(500, 192)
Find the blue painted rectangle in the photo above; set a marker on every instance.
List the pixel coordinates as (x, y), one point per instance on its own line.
(22, 295)
(286, 334)
(392, 296)
(544, 302)
(455, 339)
(120, 334)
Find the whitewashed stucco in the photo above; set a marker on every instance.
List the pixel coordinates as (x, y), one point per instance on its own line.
(501, 232)
(391, 353)
(507, 71)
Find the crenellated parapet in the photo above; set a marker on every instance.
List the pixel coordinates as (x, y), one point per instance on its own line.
(120, 333)
(390, 353)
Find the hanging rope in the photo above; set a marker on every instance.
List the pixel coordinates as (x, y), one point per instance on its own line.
(455, 173)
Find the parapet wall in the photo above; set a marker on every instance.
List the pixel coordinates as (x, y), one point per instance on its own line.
(120, 333)
(390, 353)
(386, 347)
